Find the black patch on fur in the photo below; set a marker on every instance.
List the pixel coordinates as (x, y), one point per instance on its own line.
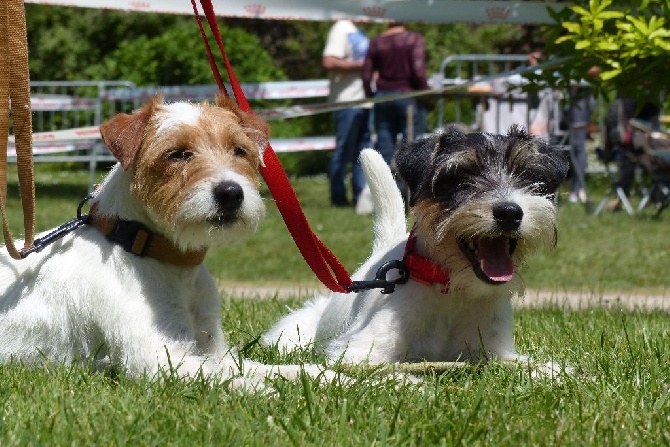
(517, 157)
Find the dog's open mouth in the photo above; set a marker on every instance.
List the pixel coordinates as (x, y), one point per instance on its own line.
(491, 258)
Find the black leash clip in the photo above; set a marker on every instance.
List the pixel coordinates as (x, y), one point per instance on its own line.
(53, 236)
(380, 281)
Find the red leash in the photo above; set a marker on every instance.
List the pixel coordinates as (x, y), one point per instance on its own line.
(321, 260)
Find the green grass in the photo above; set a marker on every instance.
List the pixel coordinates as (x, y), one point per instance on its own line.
(618, 393)
(609, 252)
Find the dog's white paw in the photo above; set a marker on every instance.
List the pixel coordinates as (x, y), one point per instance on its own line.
(552, 370)
(259, 377)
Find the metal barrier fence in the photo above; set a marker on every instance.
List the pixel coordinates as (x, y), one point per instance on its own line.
(66, 114)
(65, 105)
(58, 106)
(464, 68)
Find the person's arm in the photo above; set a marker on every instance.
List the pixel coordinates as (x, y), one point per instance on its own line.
(332, 63)
(419, 81)
(368, 76)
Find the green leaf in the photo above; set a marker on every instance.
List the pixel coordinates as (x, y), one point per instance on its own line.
(582, 44)
(610, 15)
(609, 75)
(572, 27)
(564, 39)
(581, 11)
(607, 46)
(639, 24)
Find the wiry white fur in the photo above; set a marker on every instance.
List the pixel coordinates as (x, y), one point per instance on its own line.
(194, 231)
(84, 298)
(176, 114)
(416, 322)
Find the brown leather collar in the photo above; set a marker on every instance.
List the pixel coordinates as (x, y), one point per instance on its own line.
(139, 240)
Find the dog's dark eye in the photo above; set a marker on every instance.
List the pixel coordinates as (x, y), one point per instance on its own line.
(180, 155)
(240, 151)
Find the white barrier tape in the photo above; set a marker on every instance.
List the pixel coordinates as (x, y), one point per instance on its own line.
(442, 11)
(307, 143)
(47, 150)
(57, 103)
(69, 140)
(313, 109)
(78, 134)
(316, 88)
(302, 144)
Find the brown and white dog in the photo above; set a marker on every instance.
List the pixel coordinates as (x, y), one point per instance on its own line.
(481, 203)
(130, 290)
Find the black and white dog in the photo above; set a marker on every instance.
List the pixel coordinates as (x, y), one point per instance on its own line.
(481, 202)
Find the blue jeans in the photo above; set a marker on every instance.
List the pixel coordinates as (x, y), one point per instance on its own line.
(578, 158)
(352, 133)
(391, 121)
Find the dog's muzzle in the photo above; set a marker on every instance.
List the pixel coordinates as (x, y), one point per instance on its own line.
(492, 256)
(508, 216)
(229, 197)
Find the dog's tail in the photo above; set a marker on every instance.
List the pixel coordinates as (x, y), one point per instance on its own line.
(389, 208)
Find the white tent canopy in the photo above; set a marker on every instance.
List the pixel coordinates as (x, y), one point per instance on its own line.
(428, 11)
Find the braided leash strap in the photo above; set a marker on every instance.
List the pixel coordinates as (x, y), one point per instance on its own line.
(15, 103)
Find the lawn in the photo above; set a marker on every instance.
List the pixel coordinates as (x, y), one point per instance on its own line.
(609, 252)
(617, 394)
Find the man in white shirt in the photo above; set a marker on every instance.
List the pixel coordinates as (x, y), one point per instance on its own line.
(343, 58)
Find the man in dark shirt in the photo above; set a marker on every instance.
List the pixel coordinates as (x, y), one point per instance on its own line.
(395, 64)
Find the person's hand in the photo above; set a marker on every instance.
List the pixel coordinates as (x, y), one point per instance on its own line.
(593, 72)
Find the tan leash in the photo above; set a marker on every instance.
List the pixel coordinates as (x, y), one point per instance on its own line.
(15, 102)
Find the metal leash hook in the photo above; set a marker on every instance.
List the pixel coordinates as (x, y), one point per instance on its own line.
(380, 281)
(59, 232)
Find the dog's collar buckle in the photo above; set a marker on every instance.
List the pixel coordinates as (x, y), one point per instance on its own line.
(133, 236)
(136, 238)
(422, 269)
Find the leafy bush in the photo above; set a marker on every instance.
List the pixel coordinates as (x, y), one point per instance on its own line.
(629, 42)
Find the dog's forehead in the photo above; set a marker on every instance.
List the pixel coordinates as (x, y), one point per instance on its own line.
(486, 148)
(465, 149)
(173, 116)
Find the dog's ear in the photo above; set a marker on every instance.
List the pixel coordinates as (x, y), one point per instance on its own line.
(412, 163)
(255, 127)
(557, 165)
(547, 164)
(123, 133)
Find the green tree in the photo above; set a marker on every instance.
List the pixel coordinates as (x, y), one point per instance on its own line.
(629, 42)
(177, 57)
(64, 41)
(149, 49)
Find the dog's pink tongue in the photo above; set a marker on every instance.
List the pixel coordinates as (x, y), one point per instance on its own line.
(495, 260)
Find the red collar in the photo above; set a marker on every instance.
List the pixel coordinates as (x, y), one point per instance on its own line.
(422, 269)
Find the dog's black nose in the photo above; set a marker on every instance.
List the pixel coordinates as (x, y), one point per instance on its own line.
(229, 196)
(508, 215)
